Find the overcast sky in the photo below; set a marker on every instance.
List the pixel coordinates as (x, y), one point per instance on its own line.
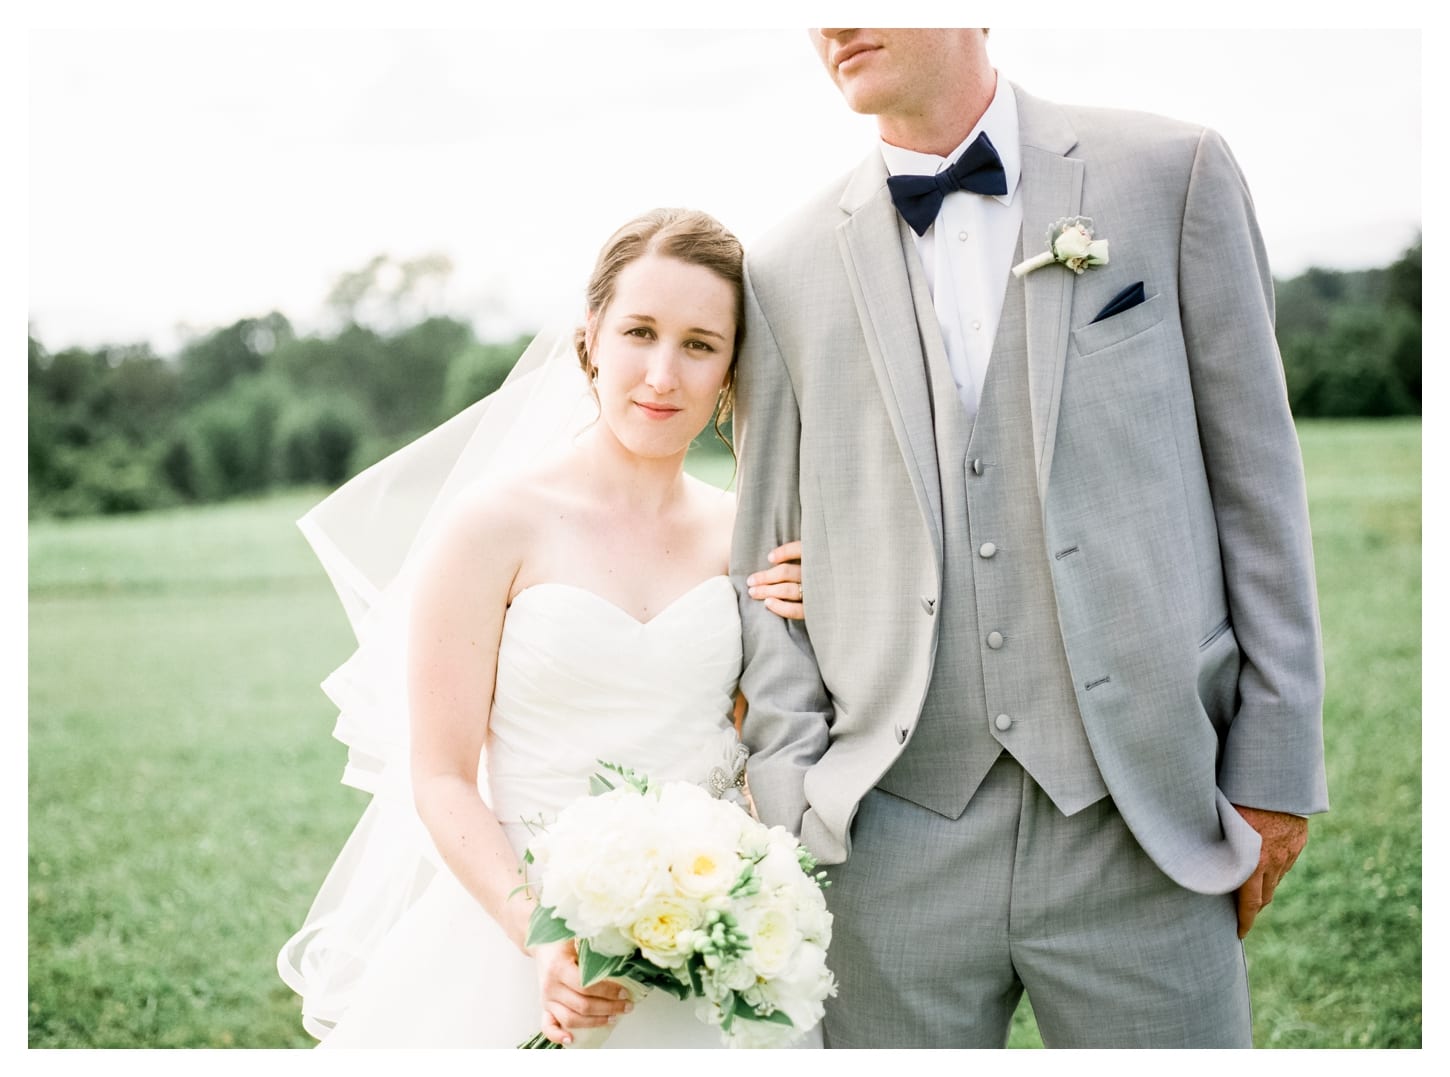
(198, 176)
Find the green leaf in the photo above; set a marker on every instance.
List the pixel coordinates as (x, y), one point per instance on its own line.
(599, 785)
(740, 1008)
(728, 1006)
(544, 927)
(594, 966)
(633, 778)
(643, 972)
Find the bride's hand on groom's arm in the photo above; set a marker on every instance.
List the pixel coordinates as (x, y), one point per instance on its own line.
(779, 587)
(564, 1003)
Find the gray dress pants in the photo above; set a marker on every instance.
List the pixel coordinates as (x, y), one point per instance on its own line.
(940, 924)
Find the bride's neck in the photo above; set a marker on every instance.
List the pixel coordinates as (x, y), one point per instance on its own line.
(639, 483)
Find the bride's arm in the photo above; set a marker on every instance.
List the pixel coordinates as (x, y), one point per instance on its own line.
(455, 628)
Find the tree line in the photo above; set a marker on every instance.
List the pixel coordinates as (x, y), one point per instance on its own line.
(255, 406)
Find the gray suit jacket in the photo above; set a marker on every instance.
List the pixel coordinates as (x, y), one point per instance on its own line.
(1165, 453)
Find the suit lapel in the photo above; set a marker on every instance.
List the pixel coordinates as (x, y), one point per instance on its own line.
(1051, 188)
(875, 262)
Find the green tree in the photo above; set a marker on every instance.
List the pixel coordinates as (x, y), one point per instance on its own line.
(213, 362)
(477, 371)
(407, 386)
(318, 440)
(1405, 277)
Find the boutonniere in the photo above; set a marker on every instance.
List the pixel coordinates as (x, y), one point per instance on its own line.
(1069, 241)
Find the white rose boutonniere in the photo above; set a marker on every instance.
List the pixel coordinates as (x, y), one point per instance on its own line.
(1069, 241)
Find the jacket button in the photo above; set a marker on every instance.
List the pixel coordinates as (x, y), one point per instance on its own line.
(977, 466)
(901, 732)
(989, 549)
(928, 604)
(994, 640)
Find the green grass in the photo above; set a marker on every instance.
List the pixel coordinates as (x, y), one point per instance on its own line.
(1341, 949)
(184, 796)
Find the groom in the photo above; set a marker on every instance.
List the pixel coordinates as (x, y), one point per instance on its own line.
(1055, 710)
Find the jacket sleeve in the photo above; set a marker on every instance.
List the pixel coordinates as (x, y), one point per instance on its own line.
(1273, 754)
(787, 724)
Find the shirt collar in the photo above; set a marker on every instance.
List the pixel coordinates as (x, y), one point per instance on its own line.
(1000, 123)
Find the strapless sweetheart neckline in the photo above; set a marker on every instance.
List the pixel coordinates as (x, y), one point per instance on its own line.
(620, 610)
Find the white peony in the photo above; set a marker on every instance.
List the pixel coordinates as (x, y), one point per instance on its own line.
(774, 937)
(705, 836)
(600, 868)
(801, 988)
(813, 918)
(665, 931)
(780, 867)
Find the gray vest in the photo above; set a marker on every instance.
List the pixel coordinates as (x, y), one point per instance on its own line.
(1000, 680)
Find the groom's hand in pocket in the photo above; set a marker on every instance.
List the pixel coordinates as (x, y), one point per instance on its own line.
(779, 587)
(1282, 838)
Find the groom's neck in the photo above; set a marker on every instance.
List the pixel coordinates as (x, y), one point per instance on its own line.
(940, 124)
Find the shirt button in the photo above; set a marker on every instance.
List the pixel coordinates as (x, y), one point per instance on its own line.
(962, 235)
(977, 466)
(976, 325)
(989, 549)
(994, 640)
(1003, 723)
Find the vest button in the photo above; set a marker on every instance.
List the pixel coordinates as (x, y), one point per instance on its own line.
(1003, 722)
(994, 640)
(977, 466)
(989, 549)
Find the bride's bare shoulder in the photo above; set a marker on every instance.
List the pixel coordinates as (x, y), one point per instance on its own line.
(493, 523)
(513, 505)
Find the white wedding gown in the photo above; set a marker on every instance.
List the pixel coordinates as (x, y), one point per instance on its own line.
(579, 680)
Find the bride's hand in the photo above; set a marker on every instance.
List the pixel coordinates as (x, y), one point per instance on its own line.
(565, 1004)
(780, 587)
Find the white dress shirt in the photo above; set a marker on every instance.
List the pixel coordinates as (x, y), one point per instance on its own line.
(967, 252)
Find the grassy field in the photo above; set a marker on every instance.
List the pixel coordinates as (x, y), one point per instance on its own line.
(184, 796)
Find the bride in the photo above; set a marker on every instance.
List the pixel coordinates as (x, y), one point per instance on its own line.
(538, 585)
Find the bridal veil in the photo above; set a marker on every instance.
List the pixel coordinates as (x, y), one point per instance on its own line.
(367, 535)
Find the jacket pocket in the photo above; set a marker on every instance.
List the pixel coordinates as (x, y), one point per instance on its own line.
(1099, 336)
(1219, 664)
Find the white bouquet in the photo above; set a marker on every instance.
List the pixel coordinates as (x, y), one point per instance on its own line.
(668, 887)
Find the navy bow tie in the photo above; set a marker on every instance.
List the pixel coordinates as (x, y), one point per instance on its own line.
(979, 170)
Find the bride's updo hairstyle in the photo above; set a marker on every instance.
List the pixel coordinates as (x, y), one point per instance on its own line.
(689, 236)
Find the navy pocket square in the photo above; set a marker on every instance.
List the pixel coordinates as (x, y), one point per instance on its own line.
(1127, 299)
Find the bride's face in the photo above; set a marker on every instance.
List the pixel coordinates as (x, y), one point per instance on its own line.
(662, 348)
